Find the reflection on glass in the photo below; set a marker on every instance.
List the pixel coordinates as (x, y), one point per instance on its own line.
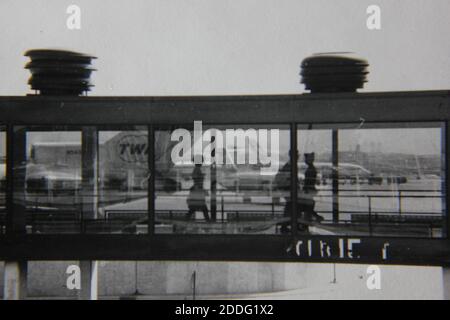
(108, 194)
(381, 181)
(375, 181)
(52, 181)
(222, 180)
(315, 174)
(397, 190)
(123, 182)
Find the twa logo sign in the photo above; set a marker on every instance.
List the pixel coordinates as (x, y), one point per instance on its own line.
(133, 148)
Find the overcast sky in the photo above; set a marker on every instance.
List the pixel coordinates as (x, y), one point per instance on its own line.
(203, 47)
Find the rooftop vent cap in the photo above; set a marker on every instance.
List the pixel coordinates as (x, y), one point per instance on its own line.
(59, 72)
(333, 72)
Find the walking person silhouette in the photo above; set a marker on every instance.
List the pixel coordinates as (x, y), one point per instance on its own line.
(196, 200)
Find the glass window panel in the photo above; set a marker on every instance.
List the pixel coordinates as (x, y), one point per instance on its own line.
(231, 189)
(52, 181)
(123, 182)
(388, 181)
(393, 178)
(57, 201)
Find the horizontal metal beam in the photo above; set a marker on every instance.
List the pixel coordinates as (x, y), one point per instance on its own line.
(307, 108)
(227, 248)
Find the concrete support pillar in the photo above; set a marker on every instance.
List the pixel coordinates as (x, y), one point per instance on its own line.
(446, 282)
(15, 282)
(89, 280)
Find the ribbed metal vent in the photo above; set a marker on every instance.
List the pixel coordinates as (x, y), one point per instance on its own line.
(59, 72)
(333, 72)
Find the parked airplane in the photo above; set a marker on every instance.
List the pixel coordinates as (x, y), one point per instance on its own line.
(53, 171)
(54, 176)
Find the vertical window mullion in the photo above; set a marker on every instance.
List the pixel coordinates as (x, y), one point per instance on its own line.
(151, 180)
(294, 179)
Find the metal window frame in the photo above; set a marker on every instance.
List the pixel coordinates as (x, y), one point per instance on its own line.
(292, 110)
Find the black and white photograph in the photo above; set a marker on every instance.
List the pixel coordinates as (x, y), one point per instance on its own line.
(220, 150)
